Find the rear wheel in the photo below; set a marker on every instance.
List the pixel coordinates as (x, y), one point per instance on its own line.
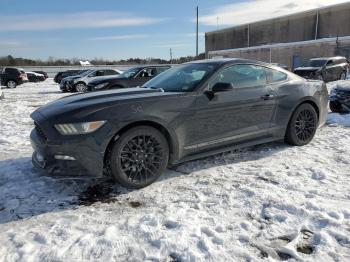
(139, 157)
(11, 84)
(81, 87)
(302, 126)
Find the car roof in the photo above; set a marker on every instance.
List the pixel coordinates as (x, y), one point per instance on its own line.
(328, 58)
(228, 61)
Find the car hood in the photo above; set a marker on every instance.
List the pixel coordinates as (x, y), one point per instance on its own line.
(307, 68)
(343, 86)
(82, 105)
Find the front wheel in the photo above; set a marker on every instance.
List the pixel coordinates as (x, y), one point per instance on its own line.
(11, 84)
(336, 107)
(81, 87)
(302, 126)
(139, 157)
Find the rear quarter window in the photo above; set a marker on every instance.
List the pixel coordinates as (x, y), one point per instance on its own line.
(275, 76)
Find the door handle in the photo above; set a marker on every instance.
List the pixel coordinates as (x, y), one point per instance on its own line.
(267, 97)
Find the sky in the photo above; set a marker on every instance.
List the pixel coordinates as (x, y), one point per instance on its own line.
(120, 29)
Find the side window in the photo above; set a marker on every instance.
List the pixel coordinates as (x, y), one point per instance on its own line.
(110, 72)
(275, 76)
(93, 74)
(147, 72)
(241, 76)
(331, 63)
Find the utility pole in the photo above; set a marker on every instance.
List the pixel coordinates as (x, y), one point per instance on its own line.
(171, 56)
(197, 31)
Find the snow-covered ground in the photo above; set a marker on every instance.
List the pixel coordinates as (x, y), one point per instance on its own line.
(272, 202)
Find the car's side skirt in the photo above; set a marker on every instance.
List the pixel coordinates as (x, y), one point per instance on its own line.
(227, 149)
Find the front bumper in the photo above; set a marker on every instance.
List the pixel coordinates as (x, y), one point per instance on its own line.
(66, 86)
(87, 155)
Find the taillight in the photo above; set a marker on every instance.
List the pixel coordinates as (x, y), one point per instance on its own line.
(23, 76)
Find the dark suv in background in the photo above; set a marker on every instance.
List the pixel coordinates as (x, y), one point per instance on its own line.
(133, 77)
(326, 69)
(12, 77)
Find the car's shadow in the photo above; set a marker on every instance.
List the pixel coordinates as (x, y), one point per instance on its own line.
(25, 193)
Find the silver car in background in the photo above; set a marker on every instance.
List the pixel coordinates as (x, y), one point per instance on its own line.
(78, 83)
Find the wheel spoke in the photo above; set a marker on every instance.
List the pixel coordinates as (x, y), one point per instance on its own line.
(141, 158)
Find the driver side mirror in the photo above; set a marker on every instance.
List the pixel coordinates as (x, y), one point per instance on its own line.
(218, 88)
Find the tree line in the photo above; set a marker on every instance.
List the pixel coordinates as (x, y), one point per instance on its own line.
(52, 61)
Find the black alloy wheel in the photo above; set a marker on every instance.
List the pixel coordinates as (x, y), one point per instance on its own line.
(336, 107)
(139, 157)
(302, 126)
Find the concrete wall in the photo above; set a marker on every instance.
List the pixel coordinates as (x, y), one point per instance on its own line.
(284, 53)
(330, 22)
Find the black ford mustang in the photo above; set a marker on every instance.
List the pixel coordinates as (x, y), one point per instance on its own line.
(190, 111)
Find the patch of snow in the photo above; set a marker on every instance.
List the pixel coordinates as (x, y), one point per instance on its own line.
(272, 201)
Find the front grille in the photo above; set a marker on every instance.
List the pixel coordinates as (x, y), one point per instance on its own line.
(304, 73)
(39, 131)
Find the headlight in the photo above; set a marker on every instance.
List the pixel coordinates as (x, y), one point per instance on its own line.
(100, 86)
(79, 128)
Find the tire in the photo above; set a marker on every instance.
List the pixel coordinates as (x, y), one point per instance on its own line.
(11, 84)
(133, 161)
(302, 126)
(81, 87)
(336, 107)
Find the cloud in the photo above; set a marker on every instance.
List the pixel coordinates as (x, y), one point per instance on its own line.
(10, 43)
(256, 10)
(72, 21)
(118, 37)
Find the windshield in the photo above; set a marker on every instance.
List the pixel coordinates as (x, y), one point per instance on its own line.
(183, 78)
(130, 73)
(315, 63)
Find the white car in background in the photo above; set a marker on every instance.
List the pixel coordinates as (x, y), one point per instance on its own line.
(78, 83)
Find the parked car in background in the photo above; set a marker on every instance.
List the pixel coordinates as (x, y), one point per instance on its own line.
(136, 76)
(11, 77)
(61, 75)
(42, 73)
(285, 67)
(325, 69)
(35, 77)
(78, 83)
(340, 98)
(188, 112)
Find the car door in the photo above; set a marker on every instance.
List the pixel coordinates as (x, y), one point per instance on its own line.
(235, 116)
